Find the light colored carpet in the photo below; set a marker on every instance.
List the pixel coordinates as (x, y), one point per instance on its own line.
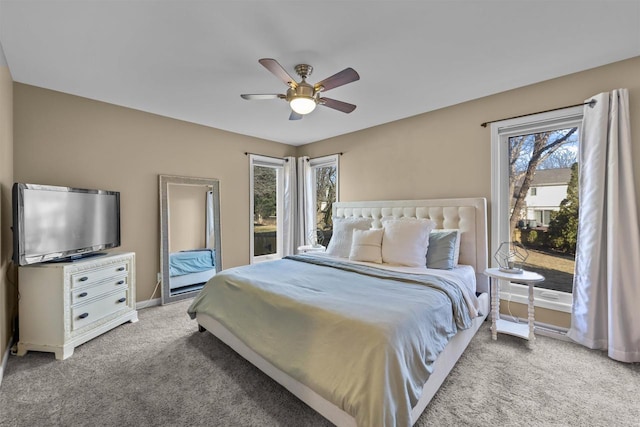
(162, 372)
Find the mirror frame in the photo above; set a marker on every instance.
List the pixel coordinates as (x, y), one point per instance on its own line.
(165, 181)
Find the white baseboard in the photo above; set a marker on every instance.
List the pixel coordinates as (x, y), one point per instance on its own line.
(5, 359)
(552, 331)
(148, 303)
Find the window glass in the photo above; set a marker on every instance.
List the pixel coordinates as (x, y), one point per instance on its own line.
(325, 180)
(265, 212)
(544, 165)
(324, 173)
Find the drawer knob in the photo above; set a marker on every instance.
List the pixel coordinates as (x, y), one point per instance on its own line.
(84, 315)
(122, 299)
(120, 269)
(120, 282)
(84, 279)
(84, 294)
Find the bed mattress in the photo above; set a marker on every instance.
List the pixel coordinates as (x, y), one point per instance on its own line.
(363, 338)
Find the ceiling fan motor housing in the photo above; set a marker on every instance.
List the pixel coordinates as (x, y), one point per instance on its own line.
(303, 90)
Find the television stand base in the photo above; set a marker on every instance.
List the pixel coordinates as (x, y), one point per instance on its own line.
(79, 257)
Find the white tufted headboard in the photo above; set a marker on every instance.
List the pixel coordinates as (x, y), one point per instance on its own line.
(467, 215)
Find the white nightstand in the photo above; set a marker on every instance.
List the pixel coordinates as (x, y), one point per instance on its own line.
(309, 248)
(522, 330)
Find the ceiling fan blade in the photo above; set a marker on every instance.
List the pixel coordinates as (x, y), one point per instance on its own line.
(345, 76)
(277, 69)
(295, 116)
(253, 96)
(345, 107)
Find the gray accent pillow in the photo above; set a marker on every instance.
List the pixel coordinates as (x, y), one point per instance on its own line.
(444, 248)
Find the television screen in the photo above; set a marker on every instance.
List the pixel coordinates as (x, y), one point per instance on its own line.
(52, 223)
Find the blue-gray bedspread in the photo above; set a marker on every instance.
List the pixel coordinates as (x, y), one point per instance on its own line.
(363, 338)
(192, 261)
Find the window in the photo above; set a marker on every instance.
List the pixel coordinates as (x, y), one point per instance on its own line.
(324, 178)
(267, 201)
(542, 218)
(526, 153)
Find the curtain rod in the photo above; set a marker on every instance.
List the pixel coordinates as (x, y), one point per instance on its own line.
(246, 153)
(591, 103)
(326, 155)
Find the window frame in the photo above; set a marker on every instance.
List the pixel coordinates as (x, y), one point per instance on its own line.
(500, 133)
(278, 164)
(323, 162)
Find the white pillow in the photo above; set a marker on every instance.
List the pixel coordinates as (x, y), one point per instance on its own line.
(405, 241)
(340, 243)
(367, 245)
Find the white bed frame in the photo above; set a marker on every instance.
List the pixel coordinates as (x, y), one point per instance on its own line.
(468, 215)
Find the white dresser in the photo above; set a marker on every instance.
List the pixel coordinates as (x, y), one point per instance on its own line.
(63, 305)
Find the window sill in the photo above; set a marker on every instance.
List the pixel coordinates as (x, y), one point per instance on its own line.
(265, 258)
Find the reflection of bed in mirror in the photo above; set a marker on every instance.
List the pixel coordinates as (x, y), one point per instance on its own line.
(190, 252)
(190, 269)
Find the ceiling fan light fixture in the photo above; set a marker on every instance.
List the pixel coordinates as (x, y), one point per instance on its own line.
(302, 96)
(303, 104)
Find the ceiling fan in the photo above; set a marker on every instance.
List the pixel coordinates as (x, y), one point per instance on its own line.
(302, 96)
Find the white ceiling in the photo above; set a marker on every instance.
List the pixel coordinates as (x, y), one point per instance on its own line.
(191, 60)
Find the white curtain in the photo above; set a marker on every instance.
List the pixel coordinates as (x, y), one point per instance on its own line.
(309, 214)
(606, 288)
(304, 190)
(289, 227)
(210, 231)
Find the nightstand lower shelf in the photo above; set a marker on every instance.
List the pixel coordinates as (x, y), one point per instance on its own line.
(512, 328)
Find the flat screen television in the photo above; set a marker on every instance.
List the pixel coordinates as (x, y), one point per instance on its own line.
(52, 223)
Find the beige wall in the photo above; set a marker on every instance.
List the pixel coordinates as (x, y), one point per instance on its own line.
(446, 153)
(62, 139)
(7, 280)
(187, 219)
(550, 317)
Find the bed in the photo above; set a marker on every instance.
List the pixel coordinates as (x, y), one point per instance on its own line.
(191, 267)
(355, 340)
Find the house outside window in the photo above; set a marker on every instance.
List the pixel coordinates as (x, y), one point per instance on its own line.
(547, 195)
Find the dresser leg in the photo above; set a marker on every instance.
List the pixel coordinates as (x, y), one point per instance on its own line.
(21, 350)
(64, 352)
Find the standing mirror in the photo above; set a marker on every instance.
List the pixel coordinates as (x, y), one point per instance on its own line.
(190, 252)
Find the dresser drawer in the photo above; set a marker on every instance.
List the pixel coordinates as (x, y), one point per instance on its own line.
(84, 278)
(85, 314)
(79, 295)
